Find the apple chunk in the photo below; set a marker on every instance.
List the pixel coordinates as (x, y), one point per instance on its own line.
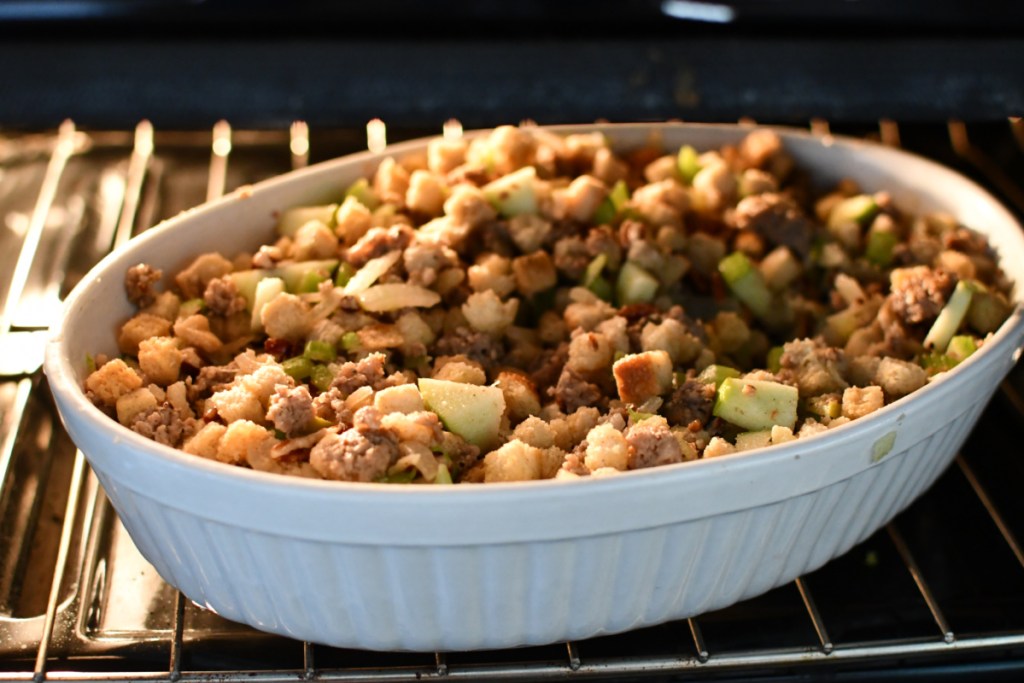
(473, 412)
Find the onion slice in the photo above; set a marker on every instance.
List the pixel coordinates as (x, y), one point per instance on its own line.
(391, 297)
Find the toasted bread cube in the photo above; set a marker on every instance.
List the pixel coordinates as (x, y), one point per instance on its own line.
(641, 376)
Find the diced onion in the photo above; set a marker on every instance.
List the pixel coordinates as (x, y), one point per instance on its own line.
(371, 272)
(392, 297)
(416, 455)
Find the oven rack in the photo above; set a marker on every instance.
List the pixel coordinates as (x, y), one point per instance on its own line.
(937, 592)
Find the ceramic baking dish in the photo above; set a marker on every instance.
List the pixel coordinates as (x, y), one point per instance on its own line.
(468, 567)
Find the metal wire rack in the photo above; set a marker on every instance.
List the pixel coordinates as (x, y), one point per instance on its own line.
(940, 590)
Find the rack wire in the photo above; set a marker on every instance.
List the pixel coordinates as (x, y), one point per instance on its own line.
(941, 585)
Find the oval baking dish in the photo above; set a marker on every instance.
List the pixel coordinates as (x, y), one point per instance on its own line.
(425, 568)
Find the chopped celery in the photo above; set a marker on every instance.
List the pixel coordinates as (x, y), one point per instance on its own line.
(350, 341)
(191, 307)
(344, 274)
(602, 288)
(755, 405)
(400, 477)
(321, 351)
(880, 245)
(934, 363)
(747, 283)
(619, 194)
(362, 191)
(594, 269)
(298, 368)
(318, 423)
(635, 285)
(612, 204)
(950, 317)
(688, 161)
(774, 359)
(857, 209)
(90, 363)
(961, 346)
(310, 282)
(605, 212)
(716, 374)
(443, 475)
(321, 377)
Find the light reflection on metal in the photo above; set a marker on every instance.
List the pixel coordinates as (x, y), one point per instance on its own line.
(299, 144)
(376, 136)
(452, 129)
(710, 12)
(222, 138)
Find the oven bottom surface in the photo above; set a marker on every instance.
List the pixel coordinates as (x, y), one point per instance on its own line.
(938, 594)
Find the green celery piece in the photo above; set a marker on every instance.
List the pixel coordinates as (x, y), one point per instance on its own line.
(401, 477)
(602, 288)
(688, 161)
(345, 272)
(961, 346)
(619, 194)
(90, 363)
(635, 285)
(747, 283)
(362, 191)
(595, 281)
(443, 475)
(755, 405)
(299, 368)
(879, 247)
(321, 377)
(594, 269)
(950, 317)
(716, 374)
(857, 209)
(191, 307)
(774, 359)
(605, 212)
(350, 341)
(310, 282)
(320, 351)
(934, 362)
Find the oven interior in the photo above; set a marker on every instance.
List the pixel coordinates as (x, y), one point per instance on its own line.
(938, 594)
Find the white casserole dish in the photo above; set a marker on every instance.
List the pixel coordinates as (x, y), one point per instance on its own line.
(468, 567)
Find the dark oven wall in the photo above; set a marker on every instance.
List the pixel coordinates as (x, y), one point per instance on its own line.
(186, 64)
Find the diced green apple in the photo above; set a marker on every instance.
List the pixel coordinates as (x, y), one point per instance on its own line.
(635, 285)
(293, 219)
(514, 194)
(688, 161)
(473, 412)
(297, 273)
(756, 405)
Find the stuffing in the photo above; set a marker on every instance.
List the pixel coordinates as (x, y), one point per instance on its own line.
(602, 310)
